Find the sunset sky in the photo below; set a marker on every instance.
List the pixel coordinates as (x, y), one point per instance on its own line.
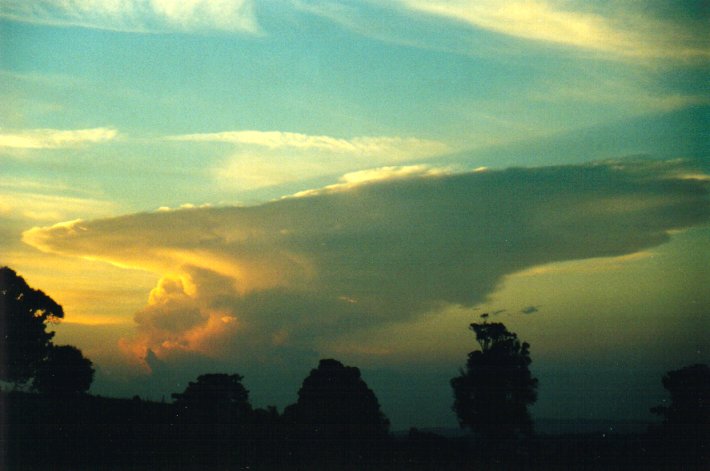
(250, 186)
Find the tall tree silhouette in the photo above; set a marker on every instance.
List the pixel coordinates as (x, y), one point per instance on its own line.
(24, 314)
(64, 371)
(493, 392)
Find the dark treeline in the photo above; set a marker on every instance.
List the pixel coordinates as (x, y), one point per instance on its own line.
(85, 432)
(49, 421)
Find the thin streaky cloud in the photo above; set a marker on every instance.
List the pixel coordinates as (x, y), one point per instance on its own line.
(531, 20)
(43, 208)
(138, 16)
(620, 32)
(54, 138)
(289, 140)
(269, 158)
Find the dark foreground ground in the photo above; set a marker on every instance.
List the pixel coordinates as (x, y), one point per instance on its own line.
(87, 433)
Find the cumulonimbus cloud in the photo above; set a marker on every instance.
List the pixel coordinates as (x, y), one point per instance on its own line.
(299, 271)
(138, 15)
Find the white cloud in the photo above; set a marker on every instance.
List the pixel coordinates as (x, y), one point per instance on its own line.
(361, 177)
(138, 15)
(615, 28)
(269, 158)
(54, 138)
(528, 19)
(358, 146)
(669, 30)
(44, 208)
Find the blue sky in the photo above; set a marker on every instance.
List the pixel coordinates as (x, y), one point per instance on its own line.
(119, 113)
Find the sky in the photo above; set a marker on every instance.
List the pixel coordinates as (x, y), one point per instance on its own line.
(250, 186)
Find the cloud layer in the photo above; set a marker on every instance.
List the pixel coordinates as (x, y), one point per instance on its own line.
(138, 15)
(298, 272)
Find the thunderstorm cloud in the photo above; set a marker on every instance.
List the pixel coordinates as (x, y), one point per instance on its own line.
(300, 271)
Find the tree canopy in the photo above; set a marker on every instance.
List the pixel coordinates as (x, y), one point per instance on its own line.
(686, 417)
(337, 418)
(689, 388)
(335, 394)
(27, 348)
(493, 392)
(64, 371)
(214, 398)
(24, 314)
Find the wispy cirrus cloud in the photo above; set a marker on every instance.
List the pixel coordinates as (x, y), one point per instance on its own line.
(138, 15)
(662, 29)
(612, 27)
(43, 207)
(365, 146)
(54, 138)
(267, 158)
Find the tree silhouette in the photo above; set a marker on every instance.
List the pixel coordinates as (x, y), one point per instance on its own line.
(337, 417)
(214, 398)
(64, 371)
(686, 423)
(493, 392)
(689, 388)
(336, 394)
(24, 314)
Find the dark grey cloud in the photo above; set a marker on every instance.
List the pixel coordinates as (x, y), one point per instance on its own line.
(530, 309)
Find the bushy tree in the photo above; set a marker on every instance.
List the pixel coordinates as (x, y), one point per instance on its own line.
(64, 371)
(335, 394)
(337, 419)
(214, 398)
(493, 392)
(24, 315)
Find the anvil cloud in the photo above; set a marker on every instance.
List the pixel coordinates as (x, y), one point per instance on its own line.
(300, 271)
